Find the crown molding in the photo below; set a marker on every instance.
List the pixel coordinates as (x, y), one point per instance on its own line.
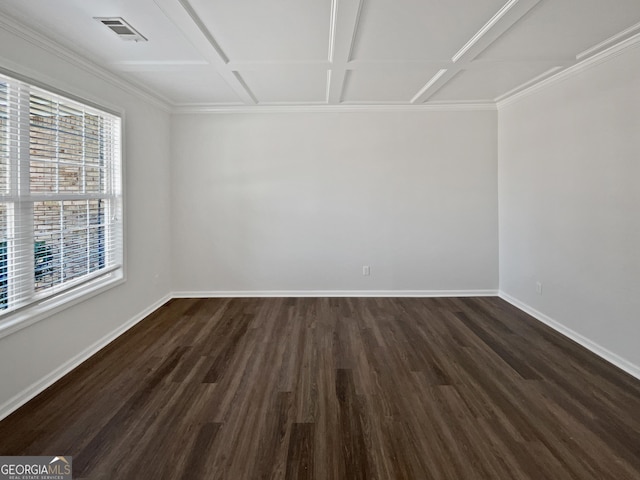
(227, 109)
(595, 55)
(596, 59)
(540, 78)
(611, 41)
(50, 45)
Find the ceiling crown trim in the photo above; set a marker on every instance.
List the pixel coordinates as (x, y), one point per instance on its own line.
(50, 45)
(439, 107)
(599, 53)
(598, 58)
(611, 41)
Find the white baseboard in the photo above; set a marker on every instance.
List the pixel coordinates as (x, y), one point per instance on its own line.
(34, 389)
(590, 345)
(333, 293)
(30, 392)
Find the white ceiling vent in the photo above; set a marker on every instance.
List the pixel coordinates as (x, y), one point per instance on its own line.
(122, 28)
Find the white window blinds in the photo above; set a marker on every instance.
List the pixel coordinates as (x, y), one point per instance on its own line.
(60, 194)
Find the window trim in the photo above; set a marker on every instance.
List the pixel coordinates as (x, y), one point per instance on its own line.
(34, 312)
(63, 92)
(86, 288)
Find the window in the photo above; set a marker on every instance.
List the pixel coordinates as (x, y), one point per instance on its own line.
(60, 195)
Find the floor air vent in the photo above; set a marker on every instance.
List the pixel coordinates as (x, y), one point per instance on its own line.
(122, 29)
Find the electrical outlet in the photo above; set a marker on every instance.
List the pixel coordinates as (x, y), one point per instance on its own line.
(539, 288)
(366, 271)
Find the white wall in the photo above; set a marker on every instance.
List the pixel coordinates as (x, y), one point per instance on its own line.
(301, 201)
(295, 202)
(30, 355)
(569, 181)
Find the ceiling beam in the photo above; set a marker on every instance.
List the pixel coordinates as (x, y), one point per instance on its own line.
(345, 15)
(154, 66)
(441, 77)
(510, 13)
(503, 20)
(186, 19)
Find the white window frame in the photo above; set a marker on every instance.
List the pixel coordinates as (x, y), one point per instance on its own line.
(42, 306)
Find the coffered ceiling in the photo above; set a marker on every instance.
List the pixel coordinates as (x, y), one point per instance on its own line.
(336, 52)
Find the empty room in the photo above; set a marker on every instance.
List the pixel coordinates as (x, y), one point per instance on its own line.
(320, 239)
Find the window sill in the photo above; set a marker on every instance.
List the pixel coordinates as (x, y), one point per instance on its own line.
(13, 322)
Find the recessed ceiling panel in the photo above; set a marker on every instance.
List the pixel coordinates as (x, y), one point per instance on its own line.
(72, 23)
(564, 28)
(486, 82)
(268, 29)
(397, 84)
(286, 84)
(188, 87)
(419, 29)
(277, 51)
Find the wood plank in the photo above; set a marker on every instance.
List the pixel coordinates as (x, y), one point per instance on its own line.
(337, 388)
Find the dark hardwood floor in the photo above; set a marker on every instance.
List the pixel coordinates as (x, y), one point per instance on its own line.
(357, 388)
